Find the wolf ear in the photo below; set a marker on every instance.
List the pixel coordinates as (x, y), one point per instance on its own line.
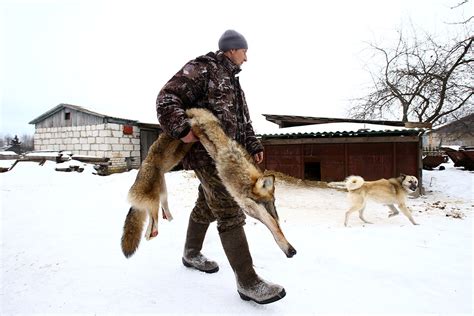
(265, 184)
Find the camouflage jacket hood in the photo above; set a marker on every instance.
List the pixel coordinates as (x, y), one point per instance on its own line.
(210, 82)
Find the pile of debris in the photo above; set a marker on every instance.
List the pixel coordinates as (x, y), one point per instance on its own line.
(100, 164)
(462, 157)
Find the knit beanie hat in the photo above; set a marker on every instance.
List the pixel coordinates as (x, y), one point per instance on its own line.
(232, 40)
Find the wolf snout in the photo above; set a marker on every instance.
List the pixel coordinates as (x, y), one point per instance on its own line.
(291, 252)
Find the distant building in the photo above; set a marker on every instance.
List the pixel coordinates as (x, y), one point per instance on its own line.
(83, 132)
(457, 133)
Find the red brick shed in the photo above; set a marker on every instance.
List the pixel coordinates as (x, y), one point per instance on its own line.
(332, 156)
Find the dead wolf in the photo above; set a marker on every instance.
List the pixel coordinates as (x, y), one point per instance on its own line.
(148, 191)
(252, 190)
(387, 192)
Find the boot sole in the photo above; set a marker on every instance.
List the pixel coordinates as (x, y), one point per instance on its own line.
(188, 265)
(277, 297)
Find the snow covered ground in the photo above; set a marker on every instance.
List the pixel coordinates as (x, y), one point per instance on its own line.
(60, 251)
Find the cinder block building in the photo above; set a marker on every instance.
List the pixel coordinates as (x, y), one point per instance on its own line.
(83, 132)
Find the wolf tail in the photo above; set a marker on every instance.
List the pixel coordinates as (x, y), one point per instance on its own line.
(132, 231)
(354, 182)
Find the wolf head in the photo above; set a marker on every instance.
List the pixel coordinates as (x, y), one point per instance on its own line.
(263, 194)
(410, 183)
(260, 204)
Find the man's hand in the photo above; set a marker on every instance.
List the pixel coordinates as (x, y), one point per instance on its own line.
(190, 138)
(258, 157)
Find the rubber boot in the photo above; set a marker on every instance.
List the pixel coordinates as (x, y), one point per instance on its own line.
(192, 256)
(249, 285)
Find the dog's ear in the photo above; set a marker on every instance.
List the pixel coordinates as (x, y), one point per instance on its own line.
(403, 176)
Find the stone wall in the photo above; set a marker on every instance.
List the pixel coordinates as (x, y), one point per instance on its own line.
(102, 140)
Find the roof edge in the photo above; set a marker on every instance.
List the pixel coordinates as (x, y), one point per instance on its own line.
(293, 120)
(60, 106)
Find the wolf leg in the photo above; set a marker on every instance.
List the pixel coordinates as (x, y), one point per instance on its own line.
(149, 227)
(407, 213)
(152, 229)
(393, 210)
(164, 200)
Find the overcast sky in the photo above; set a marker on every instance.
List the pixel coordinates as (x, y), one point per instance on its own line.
(113, 57)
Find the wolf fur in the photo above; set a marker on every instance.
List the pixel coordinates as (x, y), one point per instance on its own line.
(387, 192)
(252, 190)
(149, 191)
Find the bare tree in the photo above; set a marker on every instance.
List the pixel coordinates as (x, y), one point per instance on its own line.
(459, 5)
(420, 81)
(27, 143)
(7, 139)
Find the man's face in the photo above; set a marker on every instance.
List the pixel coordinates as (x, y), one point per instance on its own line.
(238, 56)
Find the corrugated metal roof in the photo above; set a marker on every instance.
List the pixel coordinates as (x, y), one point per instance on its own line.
(359, 133)
(337, 130)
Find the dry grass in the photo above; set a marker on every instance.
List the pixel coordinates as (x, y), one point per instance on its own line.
(298, 182)
(281, 177)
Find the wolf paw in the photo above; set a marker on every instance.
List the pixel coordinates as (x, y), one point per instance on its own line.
(166, 214)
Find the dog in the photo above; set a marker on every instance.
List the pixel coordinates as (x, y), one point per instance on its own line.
(388, 192)
(252, 189)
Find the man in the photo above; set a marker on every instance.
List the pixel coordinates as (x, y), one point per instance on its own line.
(210, 82)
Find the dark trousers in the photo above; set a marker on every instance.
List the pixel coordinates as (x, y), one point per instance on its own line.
(215, 203)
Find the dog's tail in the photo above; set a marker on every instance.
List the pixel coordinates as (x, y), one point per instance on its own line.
(132, 231)
(354, 182)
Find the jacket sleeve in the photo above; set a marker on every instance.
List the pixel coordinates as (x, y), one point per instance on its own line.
(252, 144)
(179, 94)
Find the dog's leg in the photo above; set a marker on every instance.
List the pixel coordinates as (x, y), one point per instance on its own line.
(393, 210)
(353, 208)
(357, 204)
(361, 215)
(407, 213)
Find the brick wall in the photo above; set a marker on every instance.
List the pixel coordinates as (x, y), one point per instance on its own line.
(102, 140)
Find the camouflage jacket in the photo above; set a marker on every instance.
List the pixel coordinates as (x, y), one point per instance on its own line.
(209, 82)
